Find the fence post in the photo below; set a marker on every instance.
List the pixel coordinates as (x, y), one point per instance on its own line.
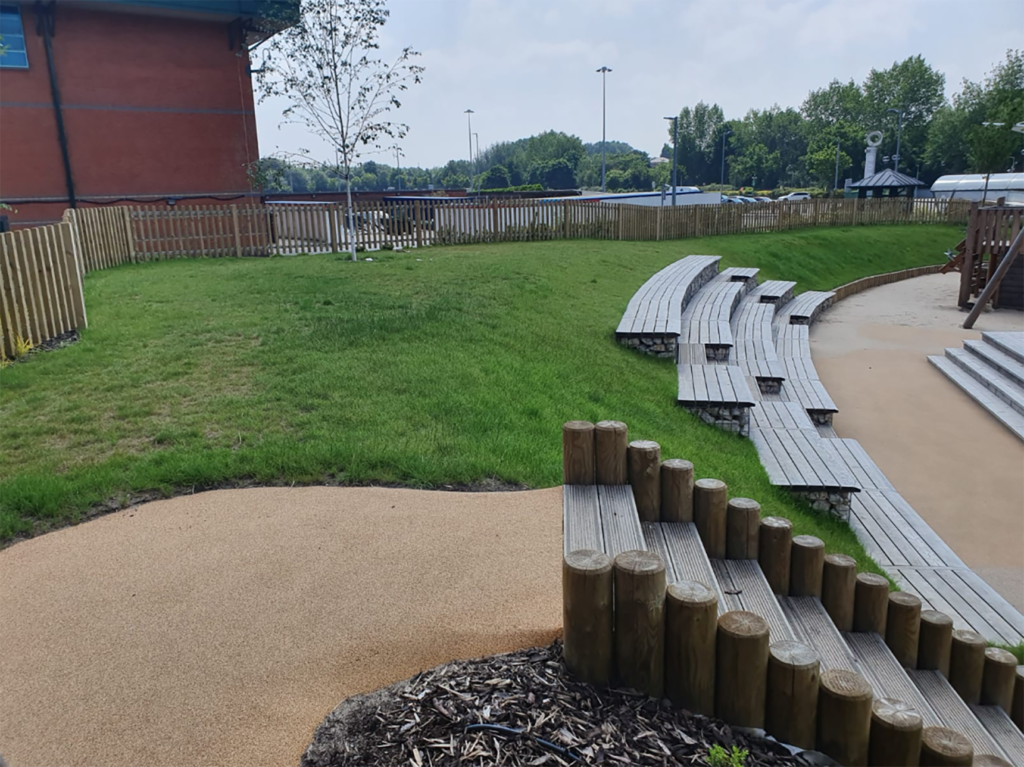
(565, 218)
(238, 233)
(75, 273)
(129, 232)
(418, 219)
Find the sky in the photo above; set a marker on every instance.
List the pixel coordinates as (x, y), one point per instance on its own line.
(526, 66)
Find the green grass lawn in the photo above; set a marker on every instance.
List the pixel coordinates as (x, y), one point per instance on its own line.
(450, 370)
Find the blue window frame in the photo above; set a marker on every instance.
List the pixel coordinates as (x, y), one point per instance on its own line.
(12, 38)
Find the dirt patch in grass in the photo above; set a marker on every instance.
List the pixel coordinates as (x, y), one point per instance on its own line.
(520, 708)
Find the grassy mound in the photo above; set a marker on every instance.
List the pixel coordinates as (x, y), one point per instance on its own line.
(446, 366)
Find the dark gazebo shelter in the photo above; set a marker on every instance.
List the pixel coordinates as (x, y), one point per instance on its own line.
(887, 183)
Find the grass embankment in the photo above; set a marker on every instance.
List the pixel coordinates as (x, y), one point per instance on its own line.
(450, 370)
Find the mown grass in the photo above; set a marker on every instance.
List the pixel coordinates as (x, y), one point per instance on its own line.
(448, 370)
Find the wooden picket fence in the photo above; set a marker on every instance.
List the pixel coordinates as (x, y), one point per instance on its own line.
(40, 287)
(129, 234)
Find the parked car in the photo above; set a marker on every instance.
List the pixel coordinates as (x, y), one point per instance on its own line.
(796, 196)
(729, 200)
(763, 199)
(747, 200)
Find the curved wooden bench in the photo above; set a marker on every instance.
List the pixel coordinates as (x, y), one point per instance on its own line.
(805, 308)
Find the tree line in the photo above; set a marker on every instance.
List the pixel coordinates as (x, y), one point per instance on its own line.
(767, 149)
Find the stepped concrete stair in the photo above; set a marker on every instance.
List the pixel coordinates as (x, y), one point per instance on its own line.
(605, 518)
(991, 372)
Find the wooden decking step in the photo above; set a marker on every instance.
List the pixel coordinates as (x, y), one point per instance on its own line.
(966, 598)
(759, 367)
(998, 408)
(780, 415)
(743, 587)
(685, 558)
(810, 393)
(775, 292)
(1008, 342)
(805, 308)
(813, 626)
(656, 308)
(857, 460)
(713, 385)
(802, 460)
(600, 517)
(887, 676)
(706, 319)
(800, 367)
(952, 711)
(1002, 730)
(1004, 387)
(792, 341)
(994, 357)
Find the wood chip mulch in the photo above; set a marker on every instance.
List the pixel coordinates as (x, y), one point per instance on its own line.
(521, 708)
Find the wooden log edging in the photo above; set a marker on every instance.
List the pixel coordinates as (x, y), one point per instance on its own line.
(624, 624)
(886, 278)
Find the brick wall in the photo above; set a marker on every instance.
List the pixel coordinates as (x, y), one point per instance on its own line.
(153, 105)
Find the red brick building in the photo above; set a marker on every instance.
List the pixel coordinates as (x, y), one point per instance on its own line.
(128, 100)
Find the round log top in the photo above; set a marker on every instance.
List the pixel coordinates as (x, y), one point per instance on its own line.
(611, 426)
(840, 560)
(936, 618)
(577, 426)
(989, 760)
(644, 444)
(794, 654)
(871, 579)
(896, 715)
(808, 542)
(740, 623)
(842, 683)
(709, 484)
(966, 636)
(677, 464)
(780, 522)
(947, 743)
(744, 503)
(640, 562)
(1002, 657)
(905, 599)
(588, 561)
(692, 592)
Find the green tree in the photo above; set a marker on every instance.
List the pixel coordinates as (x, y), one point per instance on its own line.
(495, 177)
(699, 145)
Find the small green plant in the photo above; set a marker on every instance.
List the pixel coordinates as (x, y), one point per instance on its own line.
(387, 246)
(22, 346)
(719, 757)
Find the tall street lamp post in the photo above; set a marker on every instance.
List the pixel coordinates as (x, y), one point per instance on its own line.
(604, 74)
(469, 125)
(899, 134)
(675, 143)
(727, 133)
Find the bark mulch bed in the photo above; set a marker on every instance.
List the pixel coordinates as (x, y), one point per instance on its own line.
(521, 708)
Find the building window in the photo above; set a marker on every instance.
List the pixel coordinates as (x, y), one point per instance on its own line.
(12, 39)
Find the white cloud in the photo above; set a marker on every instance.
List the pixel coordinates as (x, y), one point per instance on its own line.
(526, 66)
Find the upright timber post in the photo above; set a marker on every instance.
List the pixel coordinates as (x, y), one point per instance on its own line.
(1017, 710)
(998, 679)
(838, 583)
(903, 627)
(870, 603)
(895, 734)
(640, 621)
(645, 477)
(791, 711)
(967, 664)
(775, 542)
(578, 453)
(743, 524)
(676, 490)
(808, 561)
(710, 497)
(741, 669)
(935, 642)
(587, 616)
(611, 440)
(691, 621)
(941, 748)
(844, 716)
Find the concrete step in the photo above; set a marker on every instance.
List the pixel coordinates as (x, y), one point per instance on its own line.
(1008, 390)
(1007, 342)
(994, 357)
(999, 409)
